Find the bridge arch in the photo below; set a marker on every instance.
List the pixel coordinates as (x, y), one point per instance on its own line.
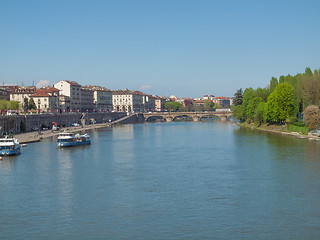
(155, 119)
(196, 116)
(182, 116)
(212, 115)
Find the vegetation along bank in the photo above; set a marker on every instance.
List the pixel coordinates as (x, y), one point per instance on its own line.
(287, 104)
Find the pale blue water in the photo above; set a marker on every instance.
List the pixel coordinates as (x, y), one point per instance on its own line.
(185, 180)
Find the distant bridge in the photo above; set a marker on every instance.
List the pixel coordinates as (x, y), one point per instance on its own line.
(196, 116)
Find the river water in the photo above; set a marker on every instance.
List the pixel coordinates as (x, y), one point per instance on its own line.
(180, 180)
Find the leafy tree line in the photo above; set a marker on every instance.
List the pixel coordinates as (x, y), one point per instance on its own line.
(15, 105)
(282, 101)
(8, 105)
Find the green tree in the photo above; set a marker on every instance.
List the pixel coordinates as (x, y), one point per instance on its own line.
(13, 105)
(25, 104)
(238, 112)
(273, 84)
(309, 88)
(172, 106)
(260, 114)
(208, 105)
(262, 93)
(312, 116)
(31, 104)
(238, 97)
(280, 103)
(3, 105)
(282, 79)
(308, 71)
(250, 103)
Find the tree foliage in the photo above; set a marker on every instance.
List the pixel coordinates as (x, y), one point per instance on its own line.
(238, 97)
(238, 112)
(312, 116)
(309, 87)
(280, 103)
(25, 104)
(273, 83)
(9, 105)
(209, 105)
(32, 105)
(283, 101)
(13, 105)
(250, 104)
(172, 106)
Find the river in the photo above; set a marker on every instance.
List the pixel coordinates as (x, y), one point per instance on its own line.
(179, 180)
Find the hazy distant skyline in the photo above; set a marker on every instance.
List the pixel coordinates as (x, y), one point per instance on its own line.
(181, 47)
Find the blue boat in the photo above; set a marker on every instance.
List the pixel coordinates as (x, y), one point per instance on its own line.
(66, 139)
(9, 146)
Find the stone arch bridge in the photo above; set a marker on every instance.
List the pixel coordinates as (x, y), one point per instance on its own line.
(196, 116)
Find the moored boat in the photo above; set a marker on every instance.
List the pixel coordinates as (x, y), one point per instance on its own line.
(9, 146)
(67, 139)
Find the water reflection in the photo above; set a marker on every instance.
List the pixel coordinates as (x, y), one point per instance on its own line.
(6, 163)
(182, 180)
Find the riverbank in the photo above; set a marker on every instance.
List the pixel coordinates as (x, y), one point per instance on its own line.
(279, 129)
(30, 137)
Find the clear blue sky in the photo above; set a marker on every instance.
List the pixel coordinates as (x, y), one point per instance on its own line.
(182, 47)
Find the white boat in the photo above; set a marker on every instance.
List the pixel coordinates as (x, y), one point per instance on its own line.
(67, 139)
(9, 146)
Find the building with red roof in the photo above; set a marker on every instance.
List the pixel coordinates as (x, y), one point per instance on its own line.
(224, 102)
(46, 99)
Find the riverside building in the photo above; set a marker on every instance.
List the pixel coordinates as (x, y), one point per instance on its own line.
(46, 99)
(102, 97)
(20, 93)
(127, 101)
(72, 90)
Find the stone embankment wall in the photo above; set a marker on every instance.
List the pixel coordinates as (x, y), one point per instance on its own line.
(133, 118)
(14, 124)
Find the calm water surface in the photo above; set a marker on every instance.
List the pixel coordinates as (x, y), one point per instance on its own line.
(185, 180)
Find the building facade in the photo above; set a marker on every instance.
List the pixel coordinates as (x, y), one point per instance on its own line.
(20, 93)
(159, 104)
(4, 94)
(64, 104)
(149, 102)
(86, 100)
(47, 99)
(224, 102)
(102, 98)
(72, 90)
(127, 101)
(208, 97)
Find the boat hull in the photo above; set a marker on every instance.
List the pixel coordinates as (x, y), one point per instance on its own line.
(72, 144)
(9, 152)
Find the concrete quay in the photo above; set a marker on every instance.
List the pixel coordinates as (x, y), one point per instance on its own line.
(31, 137)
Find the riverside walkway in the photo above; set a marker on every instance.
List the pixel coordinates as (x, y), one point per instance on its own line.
(30, 137)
